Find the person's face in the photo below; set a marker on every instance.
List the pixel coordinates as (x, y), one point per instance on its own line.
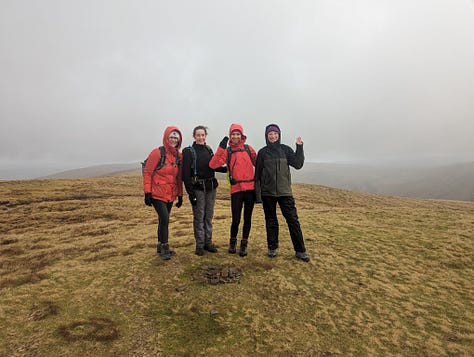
(200, 137)
(173, 142)
(235, 136)
(273, 136)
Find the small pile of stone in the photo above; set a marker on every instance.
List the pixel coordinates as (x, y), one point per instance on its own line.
(219, 275)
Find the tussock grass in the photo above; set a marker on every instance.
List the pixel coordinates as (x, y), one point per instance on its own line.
(79, 276)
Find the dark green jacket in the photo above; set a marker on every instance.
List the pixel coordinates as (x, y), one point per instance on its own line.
(272, 169)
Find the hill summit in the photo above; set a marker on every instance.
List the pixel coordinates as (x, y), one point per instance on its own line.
(79, 276)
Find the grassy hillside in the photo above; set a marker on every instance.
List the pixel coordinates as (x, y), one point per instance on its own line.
(78, 276)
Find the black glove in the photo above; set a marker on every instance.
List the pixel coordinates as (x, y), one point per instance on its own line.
(223, 143)
(180, 201)
(148, 199)
(193, 199)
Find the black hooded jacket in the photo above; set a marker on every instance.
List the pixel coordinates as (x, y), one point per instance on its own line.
(205, 176)
(272, 169)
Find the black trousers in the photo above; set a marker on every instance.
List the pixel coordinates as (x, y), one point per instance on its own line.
(288, 210)
(163, 210)
(245, 199)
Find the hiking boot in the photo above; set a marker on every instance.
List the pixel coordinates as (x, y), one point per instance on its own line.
(199, 251)
(210, 248)
(302, 256)
(165, 252)
(243, 247)
(233, 245)
(172, 252)
(272, 253)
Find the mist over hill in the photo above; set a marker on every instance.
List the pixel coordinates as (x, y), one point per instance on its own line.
(450, 182)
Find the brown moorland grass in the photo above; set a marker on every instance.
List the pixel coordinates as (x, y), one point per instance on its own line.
(78, 276)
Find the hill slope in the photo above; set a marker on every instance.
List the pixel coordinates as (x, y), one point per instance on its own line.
(388, 276)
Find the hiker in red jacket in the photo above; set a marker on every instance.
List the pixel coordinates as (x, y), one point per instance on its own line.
(162, 183)
(240, 160)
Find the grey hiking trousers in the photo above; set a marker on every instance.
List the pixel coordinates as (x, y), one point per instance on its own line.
(203, 213)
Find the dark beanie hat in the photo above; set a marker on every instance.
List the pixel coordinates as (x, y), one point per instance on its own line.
(272, 127)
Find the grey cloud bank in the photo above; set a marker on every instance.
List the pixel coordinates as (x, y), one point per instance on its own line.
(88, 82)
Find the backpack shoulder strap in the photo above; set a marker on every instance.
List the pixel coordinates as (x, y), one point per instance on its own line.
(232, 181)
(193, 154)
(229, 155)
(160, 164)
(178, 161)
(230, 152)
(209, 149)
(162, 159)
(246, 148)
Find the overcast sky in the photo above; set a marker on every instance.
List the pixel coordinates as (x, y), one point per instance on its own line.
(91, 81)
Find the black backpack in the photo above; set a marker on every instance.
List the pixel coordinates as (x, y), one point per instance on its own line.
(162, 160)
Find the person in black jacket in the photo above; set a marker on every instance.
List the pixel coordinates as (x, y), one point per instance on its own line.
(273, 185)
(200, 183)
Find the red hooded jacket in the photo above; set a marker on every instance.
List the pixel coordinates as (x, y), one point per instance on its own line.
(166, 184)
(241, 165)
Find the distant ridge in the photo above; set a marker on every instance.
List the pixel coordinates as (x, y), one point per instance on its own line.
(450, 182)
(95, 171)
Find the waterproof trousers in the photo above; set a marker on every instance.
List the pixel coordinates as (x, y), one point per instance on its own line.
(245, 199)
(163, 209)
(203, 213)
(288, 210)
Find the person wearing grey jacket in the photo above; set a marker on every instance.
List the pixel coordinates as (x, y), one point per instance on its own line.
(273, 185)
